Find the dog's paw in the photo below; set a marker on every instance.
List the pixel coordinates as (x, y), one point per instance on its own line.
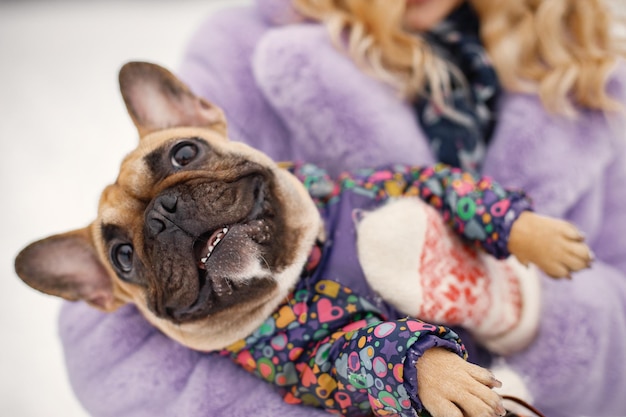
(557, 247)
(448, 386)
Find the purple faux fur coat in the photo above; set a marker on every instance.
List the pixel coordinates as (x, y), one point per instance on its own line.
(287, 91)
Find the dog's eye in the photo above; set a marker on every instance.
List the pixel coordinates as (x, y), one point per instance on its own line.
(122, 257)
(183, 154)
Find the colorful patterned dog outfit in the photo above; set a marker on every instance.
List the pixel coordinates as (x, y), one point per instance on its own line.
(334, 343)
(478, 209)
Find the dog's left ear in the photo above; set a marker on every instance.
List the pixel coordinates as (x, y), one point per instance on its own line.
(157, 100)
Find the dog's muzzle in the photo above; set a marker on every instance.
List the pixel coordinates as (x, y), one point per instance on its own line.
(197, 236)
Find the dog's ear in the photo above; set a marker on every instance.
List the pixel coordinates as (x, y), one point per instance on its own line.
(156, 100)
(67, 266)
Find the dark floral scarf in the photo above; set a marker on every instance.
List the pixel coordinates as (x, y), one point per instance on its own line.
(460, 139)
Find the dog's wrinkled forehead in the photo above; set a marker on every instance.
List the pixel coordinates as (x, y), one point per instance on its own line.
(152, 161)
(155, 165)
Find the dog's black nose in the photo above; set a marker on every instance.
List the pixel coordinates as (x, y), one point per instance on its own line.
(168, 202)
(159, 213)
(155, 225)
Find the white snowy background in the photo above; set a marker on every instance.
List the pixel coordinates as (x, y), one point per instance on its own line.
(63, 132)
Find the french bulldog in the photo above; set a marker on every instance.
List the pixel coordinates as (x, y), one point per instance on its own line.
(207, 237)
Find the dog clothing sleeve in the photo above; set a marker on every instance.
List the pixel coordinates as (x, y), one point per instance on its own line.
(328, 347)
(478, 209)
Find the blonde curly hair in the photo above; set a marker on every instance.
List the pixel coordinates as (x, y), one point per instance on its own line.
(562, 50)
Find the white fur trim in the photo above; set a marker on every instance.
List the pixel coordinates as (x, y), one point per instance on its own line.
(523, 334)
(389, 241)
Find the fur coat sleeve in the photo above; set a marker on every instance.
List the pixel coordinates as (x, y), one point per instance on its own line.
(287, 91)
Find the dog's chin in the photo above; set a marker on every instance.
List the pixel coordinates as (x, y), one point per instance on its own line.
(220, 295)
